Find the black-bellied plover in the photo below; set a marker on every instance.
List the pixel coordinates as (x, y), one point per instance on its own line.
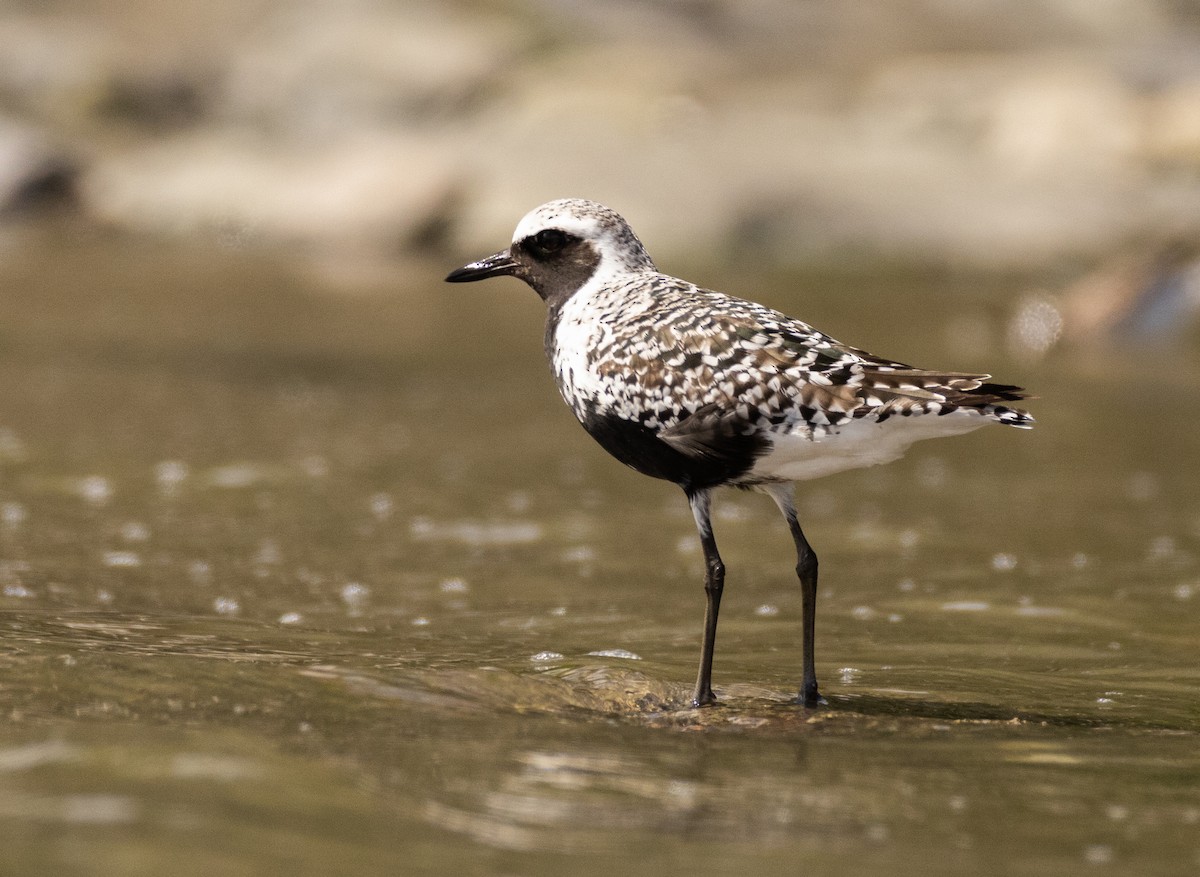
(706, 390)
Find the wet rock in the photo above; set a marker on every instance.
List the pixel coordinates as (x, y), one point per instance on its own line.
(158, 101)
(323, 67)
(381, 188)
(33, 173)
(1172, 125)
(51, 67)
(990, 134)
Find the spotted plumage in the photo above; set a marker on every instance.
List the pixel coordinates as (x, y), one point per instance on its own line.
(705, 389)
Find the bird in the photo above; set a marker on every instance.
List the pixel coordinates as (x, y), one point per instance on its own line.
(708, 390)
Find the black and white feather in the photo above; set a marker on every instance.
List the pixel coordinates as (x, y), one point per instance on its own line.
(705, 389)
(751, 395)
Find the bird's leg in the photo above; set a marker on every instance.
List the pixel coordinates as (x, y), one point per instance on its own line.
(714, 583)
(806, 569)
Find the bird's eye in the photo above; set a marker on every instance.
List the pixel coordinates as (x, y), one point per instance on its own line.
(548, 241)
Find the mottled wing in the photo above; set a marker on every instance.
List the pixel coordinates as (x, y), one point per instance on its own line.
(909, 391)
(744, 368)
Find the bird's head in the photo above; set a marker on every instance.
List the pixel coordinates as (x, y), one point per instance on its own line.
(560, 246)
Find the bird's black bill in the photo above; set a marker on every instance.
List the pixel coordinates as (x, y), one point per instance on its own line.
(493, 266)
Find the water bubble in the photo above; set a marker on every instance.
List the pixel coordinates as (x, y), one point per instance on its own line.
(453, 586)
(1004, 562)
(268, 554)
(291, 618)
(907, 585)
(13, 514)
(848, 675)
(1116, 812)
(729, 511)
(420, 621)
(135, 531)
(226, 606)
(127, 559)
(895, 617)
(1098, 854)
(579, 554)
(1142, 487)
(16, 589)
(234, 476)
(382, 506)
(315, 466)
(1080, 560)
(1184, 591)
(877, 833)
(615, 653)
(12, 448)
(558, 611)
(170, 474)
(95, 489)
(863, 613)
(1035, 328)
(200, 572)
(767, 610)
(545, 657)
(355, 595)
(1161, 548)
(909, 538)
(518, 502)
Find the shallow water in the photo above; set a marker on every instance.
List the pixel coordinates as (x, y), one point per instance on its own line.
(295, 579)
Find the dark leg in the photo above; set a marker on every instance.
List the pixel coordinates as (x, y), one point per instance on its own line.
(806, 569)
(714, 582)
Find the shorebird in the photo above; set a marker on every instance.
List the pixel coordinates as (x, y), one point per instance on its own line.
(707, 390)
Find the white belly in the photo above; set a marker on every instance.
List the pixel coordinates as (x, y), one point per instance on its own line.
(859, 444)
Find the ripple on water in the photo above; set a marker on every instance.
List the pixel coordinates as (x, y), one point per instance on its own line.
(471, 532)
(966, 606)
(616, 653)
(126, 559)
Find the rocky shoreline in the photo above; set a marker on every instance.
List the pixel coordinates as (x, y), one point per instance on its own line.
(988, 135)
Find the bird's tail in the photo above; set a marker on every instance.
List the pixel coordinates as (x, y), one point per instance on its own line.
(989, 397)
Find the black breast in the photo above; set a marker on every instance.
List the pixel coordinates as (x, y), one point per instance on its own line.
(640, 448)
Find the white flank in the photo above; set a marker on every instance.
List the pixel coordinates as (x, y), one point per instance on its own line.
(856, 445)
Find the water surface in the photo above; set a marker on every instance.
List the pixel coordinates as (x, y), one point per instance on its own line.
(302, 579)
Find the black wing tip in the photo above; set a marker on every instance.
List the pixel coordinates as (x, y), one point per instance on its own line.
(993, 398)
(1003, 392)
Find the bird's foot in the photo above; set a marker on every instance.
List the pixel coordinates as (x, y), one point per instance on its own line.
(810, 697)
(704, 698)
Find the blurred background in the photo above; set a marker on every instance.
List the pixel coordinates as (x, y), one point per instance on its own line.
(304, 567)
(987, 133)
